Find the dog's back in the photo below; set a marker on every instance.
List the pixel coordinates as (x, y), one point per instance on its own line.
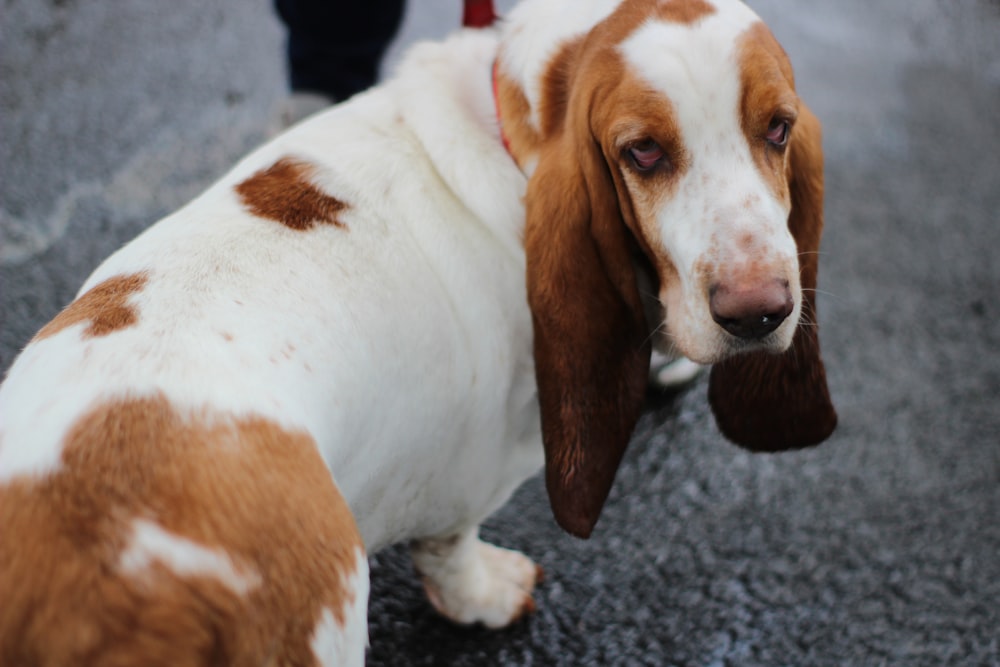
(166, 441)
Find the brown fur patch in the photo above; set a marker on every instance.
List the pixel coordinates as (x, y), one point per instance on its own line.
(558, 74)
(556, 86)
(523, 137)
(104, 306)
(684, 11)
(633, 13)
(283, 193)
(767, 90)
(516, 118)
(243, 486)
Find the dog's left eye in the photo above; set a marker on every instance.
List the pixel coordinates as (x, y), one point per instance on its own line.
(646, 154)
(777, 132)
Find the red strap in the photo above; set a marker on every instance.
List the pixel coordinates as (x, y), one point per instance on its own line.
(478, 14)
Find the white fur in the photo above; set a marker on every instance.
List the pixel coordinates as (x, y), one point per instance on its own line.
(470, 581)
(151, 543)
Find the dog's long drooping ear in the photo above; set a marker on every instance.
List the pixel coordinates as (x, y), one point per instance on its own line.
(590, 339)
(768, 402)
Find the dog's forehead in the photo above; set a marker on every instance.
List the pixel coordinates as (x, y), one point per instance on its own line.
(697, 63)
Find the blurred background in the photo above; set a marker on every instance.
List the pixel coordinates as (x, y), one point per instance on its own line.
(880, 547)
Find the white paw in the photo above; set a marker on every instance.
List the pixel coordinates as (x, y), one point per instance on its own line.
(476, 582)
(672, 372)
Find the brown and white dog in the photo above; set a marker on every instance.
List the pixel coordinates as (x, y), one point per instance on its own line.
(376, 326)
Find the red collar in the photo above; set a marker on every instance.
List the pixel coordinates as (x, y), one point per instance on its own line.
(478, 14)
(496, 108)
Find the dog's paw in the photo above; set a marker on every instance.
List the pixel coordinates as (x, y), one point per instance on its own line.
(672, 372)
(470, 581)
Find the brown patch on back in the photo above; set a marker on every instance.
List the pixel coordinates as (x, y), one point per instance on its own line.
(283, 193)
(243, 486)
(104, 306)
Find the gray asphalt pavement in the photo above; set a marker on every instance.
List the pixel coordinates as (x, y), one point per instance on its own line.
(880, 547)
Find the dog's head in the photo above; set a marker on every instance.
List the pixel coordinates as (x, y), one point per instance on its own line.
(663, 137)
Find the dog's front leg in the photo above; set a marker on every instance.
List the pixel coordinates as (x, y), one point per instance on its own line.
(470, 581)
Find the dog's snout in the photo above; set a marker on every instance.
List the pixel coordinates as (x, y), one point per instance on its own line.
(751, 312)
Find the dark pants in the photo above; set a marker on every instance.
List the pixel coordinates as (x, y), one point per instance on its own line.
(335, 46)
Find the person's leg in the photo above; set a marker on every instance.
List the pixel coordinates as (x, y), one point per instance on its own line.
(335, 46)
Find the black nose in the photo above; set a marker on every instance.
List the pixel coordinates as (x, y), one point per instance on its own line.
(751, 312)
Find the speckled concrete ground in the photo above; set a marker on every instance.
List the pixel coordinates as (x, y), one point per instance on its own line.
(882, 547)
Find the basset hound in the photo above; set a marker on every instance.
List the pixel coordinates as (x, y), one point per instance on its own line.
(381, 322)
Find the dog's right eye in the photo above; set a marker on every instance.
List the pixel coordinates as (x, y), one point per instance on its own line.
(777, 132)
(645, 155)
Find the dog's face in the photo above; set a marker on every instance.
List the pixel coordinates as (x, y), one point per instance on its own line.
(693, 116)
(669, 136)
(696, 133)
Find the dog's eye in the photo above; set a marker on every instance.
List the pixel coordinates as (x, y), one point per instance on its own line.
(777, 132)
(646, 154)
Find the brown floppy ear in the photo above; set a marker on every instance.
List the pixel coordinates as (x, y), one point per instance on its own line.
(768, 402)
(590, 340)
